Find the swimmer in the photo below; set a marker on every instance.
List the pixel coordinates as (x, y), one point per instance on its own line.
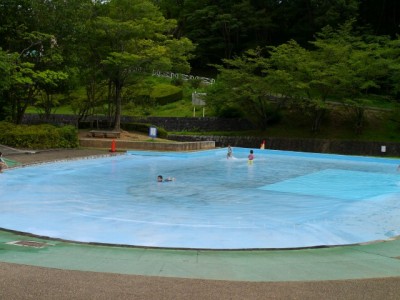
(160, 179)
(3, 164)
(250, 157)
(230, 152)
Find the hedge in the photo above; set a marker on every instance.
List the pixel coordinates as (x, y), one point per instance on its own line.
(165, 94)
(43, 136)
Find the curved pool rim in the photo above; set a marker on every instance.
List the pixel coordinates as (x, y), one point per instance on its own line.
(388, 161)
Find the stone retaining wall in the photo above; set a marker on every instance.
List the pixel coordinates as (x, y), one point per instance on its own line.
(155, 146)
(168, 123)
(303, 145)
(220, 124)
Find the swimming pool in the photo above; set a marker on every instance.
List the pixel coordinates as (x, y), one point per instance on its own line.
(284, 200)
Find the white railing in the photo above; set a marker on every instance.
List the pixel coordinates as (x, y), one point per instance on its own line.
(183, 76)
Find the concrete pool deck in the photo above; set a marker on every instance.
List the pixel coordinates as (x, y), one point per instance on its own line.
(66, 270)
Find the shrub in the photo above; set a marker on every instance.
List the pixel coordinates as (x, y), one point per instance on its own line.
(230, 112)
(195, 83)
(165, 93)
(177, 81)
(38, 136)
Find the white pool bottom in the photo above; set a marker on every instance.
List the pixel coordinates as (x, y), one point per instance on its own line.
(283, 200)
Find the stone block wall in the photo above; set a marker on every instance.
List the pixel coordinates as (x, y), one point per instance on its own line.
(138, 145)
(303, 145)
(196, 124)
(221, 124)
(168, 123)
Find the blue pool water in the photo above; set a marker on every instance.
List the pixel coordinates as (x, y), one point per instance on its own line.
(284, 200)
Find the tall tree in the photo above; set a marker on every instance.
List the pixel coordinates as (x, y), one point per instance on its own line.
(35, 34)
(135, 36)
(341, 66)
(5, 81)
(361, 65)
(32, 70)
(381, 16)
(310, 76)
(242, 86)
(223, 29)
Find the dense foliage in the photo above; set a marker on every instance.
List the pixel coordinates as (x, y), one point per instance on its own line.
(50, 48)
(340, 68)
(268, 55)
(38, 136)
(223, 29)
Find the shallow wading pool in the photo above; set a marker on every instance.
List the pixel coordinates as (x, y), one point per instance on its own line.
(284, 200)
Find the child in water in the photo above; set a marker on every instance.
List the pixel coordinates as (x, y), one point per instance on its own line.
(160, 179)
(250, 157)
(230, 153)
(3, 164)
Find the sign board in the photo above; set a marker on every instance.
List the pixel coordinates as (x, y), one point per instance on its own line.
(198, 99)
(153, 132)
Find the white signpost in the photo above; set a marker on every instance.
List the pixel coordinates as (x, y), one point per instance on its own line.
(198, 100)
(153, 132)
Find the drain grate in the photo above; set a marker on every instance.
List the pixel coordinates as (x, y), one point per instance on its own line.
(32, 244)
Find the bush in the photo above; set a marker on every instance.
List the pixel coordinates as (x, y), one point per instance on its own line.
(165, 93)
(38, 136)
(230, 112)
(177, 81)
(144, 128)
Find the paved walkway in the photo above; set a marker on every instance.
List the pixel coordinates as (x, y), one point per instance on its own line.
(328, 273)
(335, 263)
(63, 270)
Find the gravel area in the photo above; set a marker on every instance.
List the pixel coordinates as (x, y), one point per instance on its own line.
(28, 282)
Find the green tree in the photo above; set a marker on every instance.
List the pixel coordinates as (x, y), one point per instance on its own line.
(35, 50)
(5, 70)
(223, 29)
(392, 54)
(35, 69)
(16, 18)
(49, 83)
(381, 17)
(242, 86)
(5, 82)
(360, 65)
(310, 77)
(135, 36)
(67, 21)
(340, 66)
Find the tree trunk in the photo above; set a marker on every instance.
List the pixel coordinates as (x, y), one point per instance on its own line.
(318, 117)
(118, 104)
(359, 112)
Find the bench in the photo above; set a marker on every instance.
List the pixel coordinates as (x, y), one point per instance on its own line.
(105, 133)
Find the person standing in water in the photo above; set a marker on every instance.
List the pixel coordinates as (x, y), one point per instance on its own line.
(230, 152)
(250, 157)
(3, 164)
